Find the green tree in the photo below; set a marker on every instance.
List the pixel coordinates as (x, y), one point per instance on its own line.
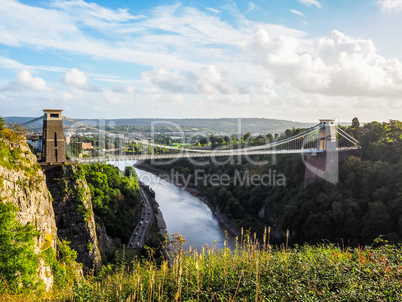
(355, 123)
(18, 261)
(1, 123)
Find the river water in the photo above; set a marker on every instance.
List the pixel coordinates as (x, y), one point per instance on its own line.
(184, 213)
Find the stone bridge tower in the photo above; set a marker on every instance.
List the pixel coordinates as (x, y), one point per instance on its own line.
(323, 165)
(53, 146)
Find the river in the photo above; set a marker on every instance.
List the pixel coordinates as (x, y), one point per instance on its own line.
(184, 213)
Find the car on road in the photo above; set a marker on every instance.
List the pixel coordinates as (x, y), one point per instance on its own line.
(138, 243)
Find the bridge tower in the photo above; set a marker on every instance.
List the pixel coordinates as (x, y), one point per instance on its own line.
(53, 146)
(324, 165)
(327, 135)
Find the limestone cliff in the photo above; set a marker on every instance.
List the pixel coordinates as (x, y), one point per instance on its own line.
(23, 183)
(107, 245)
(74, 215)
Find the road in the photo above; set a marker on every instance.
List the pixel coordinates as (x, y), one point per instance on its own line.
(138, 238)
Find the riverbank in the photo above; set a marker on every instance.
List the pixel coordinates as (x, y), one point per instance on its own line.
(194, 191)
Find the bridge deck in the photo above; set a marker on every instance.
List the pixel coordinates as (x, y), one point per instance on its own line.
(195, 154)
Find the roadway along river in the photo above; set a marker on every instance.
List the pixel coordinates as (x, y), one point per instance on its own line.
(184, 213)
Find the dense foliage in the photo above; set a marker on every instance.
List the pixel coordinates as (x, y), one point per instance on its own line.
(249, 272)
(62, 264)
(115, 198)
(12, 156)
(18, 261)
(365, 203)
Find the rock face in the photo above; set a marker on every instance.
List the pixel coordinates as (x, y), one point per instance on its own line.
(107, 245)
(23, 183)
(74, 215)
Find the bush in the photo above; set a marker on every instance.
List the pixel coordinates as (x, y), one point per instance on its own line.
(62, 264)
(18, 261)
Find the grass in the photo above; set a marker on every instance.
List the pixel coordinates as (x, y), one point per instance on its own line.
(252, 271)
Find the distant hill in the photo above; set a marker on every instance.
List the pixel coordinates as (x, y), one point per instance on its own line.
(227, 125)
(20, 119)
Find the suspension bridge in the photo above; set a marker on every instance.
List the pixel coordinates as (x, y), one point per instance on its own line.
(320, 138)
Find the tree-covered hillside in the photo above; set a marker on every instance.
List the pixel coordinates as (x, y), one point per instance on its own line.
(115, 198)
(365, 203)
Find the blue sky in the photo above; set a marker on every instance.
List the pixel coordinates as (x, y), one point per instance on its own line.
(288, 59)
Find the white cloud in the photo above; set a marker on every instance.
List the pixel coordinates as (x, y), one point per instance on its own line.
(96, 11)
(8, 63)
(123, 89)
(251, 7)
(297, 13)
(207, 81)
(4, 98)
(200, 64)
(170, 37)
(216, 11)
(390, 6)
(25, 81)
(78, 79)
(66, 96)
(336, 65)
(310, 2)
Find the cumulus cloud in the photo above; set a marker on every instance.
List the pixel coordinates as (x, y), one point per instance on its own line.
(208, 80)
(78, 79)
(170, 36)
(25, 81)
(123, 89)
(336, 65)
(390, 6)
(310, 3)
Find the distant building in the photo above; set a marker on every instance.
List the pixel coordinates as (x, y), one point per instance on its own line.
(86, 146)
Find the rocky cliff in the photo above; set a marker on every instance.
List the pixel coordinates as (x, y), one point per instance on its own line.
(23, 183)
(73, 212)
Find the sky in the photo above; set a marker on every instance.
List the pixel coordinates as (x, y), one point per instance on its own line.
(298, 60)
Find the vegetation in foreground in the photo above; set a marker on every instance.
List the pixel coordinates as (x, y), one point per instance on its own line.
(248, 272)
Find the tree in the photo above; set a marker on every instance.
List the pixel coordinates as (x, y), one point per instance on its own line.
(17, 128)
(1, 124)
(18, 261)
(355, 123)
(129, 171)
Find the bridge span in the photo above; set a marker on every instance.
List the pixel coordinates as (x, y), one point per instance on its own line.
(321, 138)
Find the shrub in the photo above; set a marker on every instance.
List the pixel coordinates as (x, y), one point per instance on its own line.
(18, 261)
